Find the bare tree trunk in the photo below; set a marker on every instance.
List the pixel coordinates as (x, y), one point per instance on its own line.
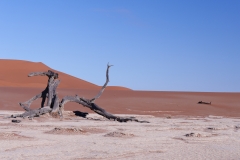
(49, 92)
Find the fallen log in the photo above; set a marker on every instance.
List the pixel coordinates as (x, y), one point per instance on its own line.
(201, 102)
(89, 103)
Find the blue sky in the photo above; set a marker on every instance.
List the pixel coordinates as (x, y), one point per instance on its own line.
(161, 45)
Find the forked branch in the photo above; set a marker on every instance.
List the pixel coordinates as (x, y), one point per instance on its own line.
(49, 92)
(94, 107)
(104, 86)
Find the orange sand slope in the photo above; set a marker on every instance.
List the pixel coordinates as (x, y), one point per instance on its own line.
(13, 73)
(16, 87)
(135, 102)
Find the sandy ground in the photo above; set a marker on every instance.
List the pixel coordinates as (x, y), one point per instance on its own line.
(94, 137)
(135, 102)
(179, 127)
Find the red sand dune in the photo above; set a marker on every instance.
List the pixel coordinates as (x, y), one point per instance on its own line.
(13, 73)
(16, 87)
(135, 102)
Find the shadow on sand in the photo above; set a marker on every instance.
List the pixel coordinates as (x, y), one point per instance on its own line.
(80, 114)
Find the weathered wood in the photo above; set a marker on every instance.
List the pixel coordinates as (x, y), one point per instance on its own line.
(49, 73)
(53, 105)
(49, 92)
(33, 113)
(104, 86)
(94, 107)
(52, 86)
(28, 103)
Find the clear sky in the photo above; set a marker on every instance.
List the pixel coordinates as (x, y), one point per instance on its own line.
(162, 45)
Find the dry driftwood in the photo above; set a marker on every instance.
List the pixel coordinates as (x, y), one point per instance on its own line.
(89, 103)
(48, 93)
(54, 106)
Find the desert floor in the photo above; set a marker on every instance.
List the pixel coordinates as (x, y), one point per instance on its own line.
(94, 137)
(179, 128)
(134, 102)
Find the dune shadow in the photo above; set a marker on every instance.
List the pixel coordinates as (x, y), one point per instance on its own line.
(80, 114)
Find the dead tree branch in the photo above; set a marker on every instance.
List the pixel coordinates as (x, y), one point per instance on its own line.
(49, 92)
(33, 113)
(104, 86)
(53, 105)
(49, 73)
(94, 107)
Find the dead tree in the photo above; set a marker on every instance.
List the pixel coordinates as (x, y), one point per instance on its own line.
(89, 103)
(48, 93)
(53, 105)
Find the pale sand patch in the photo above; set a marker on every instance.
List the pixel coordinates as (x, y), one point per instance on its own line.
(95, 137)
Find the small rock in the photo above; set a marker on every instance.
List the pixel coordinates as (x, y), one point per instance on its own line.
(16, 121)
(211, 128)
(118, 134)
(237, 127)
(189, 135)
(193, 135)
